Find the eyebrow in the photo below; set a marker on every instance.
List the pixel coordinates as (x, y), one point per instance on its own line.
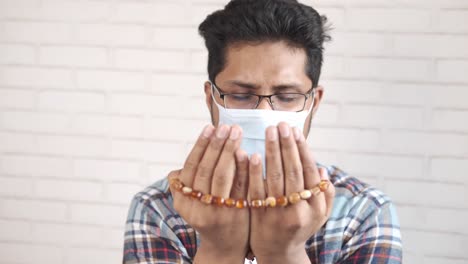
(276, 88)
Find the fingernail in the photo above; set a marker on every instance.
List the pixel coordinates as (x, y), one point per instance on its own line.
(208, 131)
(255, 159)
(240, 156)
(284, 130)
(272, 133)
(222, 132)
(324, 174)
(234, 133)
(297, 133)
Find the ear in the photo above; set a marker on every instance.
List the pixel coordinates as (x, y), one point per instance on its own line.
(208, 97)
(317, 99)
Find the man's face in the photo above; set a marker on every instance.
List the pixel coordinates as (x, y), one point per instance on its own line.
(263, 69)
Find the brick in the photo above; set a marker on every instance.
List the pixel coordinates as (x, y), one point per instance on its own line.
(447, 220)
(112, 35)
(17, 54)
(198, 61)
(111, 80)
(454, 195)
(33, 210)
(389, 69)
(117, 126)
(75, 146)
(199, 12)
(435, 244)
(20, 9)
(377, 19)
(452, 21)
(86, 255)
(327, 114)
(128, 127)
(146, 150)
(54, 233)
(431, 45)
(387, 166)
(16, 98)
(382, 116)
(449, 120)
(121, 193)
(357, 43)
(17, 142)
(343, 139)
(442, 259)
(85, 236)
(452, 71)
(150, 12)
(67, 10)
(346, 91)
(36, 166)
(37, 77)
(97, 125)
(333, 67)
(149, 59)
(424, 143)
(73, 56)
(177, 38)
(106, 170)
(72, 101)
(114, 240)
(115, 216)
(15, 253)
(174, 129)
(37, 32)
(35, 121)
(15, 186)
(178, 84)
(449, 169)
(69, 190)
(15, 230)
(196, 106)
(159, 171)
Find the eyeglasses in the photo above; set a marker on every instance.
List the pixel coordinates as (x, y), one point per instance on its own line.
(293, 102)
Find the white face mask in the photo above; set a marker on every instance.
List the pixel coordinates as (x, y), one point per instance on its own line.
(254, 122)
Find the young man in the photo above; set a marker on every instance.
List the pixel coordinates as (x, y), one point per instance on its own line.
(250, 186)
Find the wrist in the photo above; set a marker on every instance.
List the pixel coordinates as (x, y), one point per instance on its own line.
(295, 256)
(208, 254)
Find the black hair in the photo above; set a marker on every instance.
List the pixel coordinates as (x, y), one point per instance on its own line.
(258, 21)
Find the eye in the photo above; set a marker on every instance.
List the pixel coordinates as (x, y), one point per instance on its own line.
(241, 97)
(287, 98)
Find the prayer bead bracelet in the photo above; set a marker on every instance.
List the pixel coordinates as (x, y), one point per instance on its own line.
(269, 202)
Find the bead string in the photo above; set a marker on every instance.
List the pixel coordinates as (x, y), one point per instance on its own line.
(269, 202)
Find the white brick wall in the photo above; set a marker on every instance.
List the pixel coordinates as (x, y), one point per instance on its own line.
(100, 98)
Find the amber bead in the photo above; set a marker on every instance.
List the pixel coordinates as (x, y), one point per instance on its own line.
(315, 191)
(294, 198)
(196, 194)
(257, 203)
(229, 202)
(282, 201)
(206, 199)
(270, 202)
(219, 201)
(306, 194)
(241, 203)
(323, 185)
(187, 190)
(176, 184)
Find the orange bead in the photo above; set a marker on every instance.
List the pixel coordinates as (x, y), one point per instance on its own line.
(187, 190)
(241, 203)
(323, 185)
(176, 184)
(257, 203)
(229, 202)
(270, 202)
(315, 191)
(294, 198)
(306, 194)
(282, 201)
(196, 194)
(219, 201)
(206, 199)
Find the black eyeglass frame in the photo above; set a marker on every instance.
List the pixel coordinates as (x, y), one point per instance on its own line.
(307, 95)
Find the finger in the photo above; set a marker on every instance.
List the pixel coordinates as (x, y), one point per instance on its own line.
(241, 180)
(274, 163)
(292, 166)
(256, 185)
(203, 177)
(309, 167)
(329, 192)
(196, 154)
(226, 167)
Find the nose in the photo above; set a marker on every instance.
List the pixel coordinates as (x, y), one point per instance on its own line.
(264, 104)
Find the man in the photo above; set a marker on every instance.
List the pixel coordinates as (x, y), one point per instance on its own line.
(250, 186)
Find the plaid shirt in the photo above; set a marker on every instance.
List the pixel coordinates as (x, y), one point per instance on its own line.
(363, 227)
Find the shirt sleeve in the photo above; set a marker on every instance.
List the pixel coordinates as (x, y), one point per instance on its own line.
(377, 240)
(146, 238)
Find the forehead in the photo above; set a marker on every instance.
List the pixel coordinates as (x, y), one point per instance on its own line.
(265, 64)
